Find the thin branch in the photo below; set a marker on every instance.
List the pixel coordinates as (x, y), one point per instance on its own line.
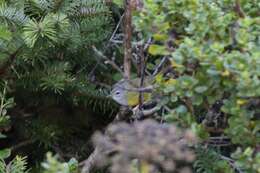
(159, 67)
(107, 45)
(117, 41)
(117, 26)
(239, 10)
(142, 76)
(22, 144)
(144, 113)
(136, 62)
(149, 74)
(144, 89)
(59, 152)
(147, 44)
(90, 162)
(232, 163)
(218, 141)
(108, 61)
(189, 105)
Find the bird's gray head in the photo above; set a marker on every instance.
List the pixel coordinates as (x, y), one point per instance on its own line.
(118, 93)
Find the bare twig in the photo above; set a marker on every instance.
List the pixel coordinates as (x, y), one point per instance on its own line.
(90, 162)
(147, 44)
(107, 45)
(144, 113)
(108, 61)
(117, 41)
(232, 163)
(239, 10)
(233, 32)
(218, 141)
(144, 89)
(117, 26)
(189, 105)
(59, 152)
(154, 73)
(22, 144)
(142, 76)
(159, 67)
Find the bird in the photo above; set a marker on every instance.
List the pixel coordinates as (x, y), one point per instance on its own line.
(126, 92)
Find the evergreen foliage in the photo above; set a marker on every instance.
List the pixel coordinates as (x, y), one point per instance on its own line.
(52, 37)
(46, 60)
(209, 161)
(17, 165)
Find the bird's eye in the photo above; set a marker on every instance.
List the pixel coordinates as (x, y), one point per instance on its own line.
(117, 93)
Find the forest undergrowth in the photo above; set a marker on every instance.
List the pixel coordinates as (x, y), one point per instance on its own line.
(129, 86)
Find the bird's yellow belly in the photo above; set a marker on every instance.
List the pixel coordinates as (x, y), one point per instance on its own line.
(133, 98)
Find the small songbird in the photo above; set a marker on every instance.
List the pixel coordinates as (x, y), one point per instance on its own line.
(126, 92)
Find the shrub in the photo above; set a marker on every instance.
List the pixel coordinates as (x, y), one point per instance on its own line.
(214, 51)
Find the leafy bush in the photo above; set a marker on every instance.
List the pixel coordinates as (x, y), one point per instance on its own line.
(214, 51)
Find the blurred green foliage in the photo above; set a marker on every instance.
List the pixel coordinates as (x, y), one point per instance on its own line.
(17, 165)
(53, 165)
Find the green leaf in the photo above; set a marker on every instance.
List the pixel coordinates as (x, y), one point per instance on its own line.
(5, 153)
(160, 37)
(201, 89)
(155, 49)
(181, 109)
(197, 100)
(174, 98)
(73, 165)
(199, 130)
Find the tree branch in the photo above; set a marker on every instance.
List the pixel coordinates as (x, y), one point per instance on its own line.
(90, 162)
(22, 144)
(142, 76)
(239, 10)
(117, 26)
(127, 39)
(108, 61)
